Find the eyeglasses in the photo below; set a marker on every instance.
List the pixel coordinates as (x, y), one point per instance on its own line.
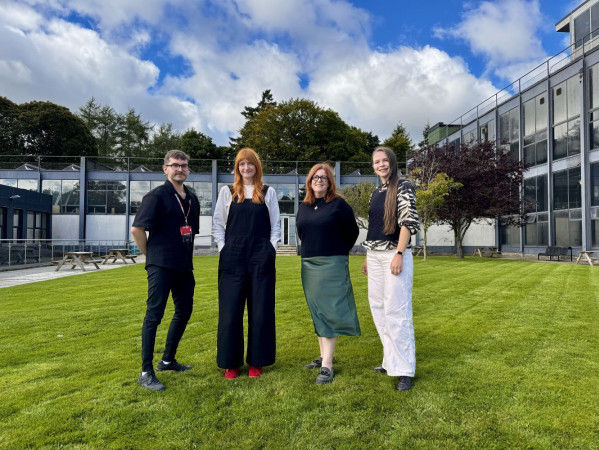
(178, 166)
(320, 178)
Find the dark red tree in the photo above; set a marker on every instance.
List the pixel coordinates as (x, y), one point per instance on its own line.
(491, 185)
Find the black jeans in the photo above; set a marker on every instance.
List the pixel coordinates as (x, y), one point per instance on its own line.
(161, 282)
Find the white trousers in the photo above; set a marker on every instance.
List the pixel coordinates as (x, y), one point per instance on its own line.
(390, 298)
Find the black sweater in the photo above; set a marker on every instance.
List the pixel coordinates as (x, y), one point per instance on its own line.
(328, 230)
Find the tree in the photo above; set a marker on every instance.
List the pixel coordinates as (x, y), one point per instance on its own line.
(9, 119)
(425, 132)
(358, 197)
(401, 143)
(163, 140)
(49, 129)
(266, 100)
(107, 131)
(429, 198)
(299, 129)
(133, 134)
(198, 146)
(103, 123)
(491, 184)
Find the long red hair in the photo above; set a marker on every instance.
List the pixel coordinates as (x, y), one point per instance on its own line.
(251, 156)
(331, 194)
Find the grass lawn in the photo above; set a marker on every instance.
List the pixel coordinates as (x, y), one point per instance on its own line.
(507, 356)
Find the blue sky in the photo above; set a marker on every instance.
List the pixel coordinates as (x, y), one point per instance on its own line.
(197, 63)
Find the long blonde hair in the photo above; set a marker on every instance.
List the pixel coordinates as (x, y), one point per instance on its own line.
(251, 156)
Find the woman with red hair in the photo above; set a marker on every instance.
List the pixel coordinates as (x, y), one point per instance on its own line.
(246, 229)
(327, 228)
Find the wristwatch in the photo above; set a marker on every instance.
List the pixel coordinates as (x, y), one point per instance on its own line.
(399, 252)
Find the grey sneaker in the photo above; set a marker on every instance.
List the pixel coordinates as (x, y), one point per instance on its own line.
(404, 384)
(325, 375)
(315, 364)
(149, 381)
(173, 365)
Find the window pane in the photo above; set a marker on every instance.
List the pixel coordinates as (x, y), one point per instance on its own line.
(203, 190)
(595, 231)
(582, 27)
(594, 134)
(574, 188)
(573, 85)
(515, 151)
(138, 190)
(575, 233)
(530, 190)
(560, 150)
(562, 235)
(30, 185)
(541, 152)
(595, 20)
(594, 85)
(560, 190)
(541, 112)
(542, 193)
(559, 103)
(595, 184)
(529, 117)
(531, 234)
(530, 155)
(542, 233)
(504, 128)
(574, 137)
(514, 125)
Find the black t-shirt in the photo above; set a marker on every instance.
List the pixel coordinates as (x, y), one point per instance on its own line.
(160, 213)
(327, 230)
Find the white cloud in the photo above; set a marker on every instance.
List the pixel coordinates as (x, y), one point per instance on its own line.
(412, 86)
(234, 52)
(503, 31)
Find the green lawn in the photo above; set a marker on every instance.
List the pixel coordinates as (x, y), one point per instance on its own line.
(507, 356)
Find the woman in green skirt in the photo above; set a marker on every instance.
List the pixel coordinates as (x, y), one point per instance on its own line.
(327, 229)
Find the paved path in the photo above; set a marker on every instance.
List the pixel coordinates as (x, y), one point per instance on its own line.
(16, 277)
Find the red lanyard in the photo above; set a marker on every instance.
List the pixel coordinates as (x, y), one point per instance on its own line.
(182, 210)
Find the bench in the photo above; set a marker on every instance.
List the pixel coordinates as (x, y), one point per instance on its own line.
(555, 252)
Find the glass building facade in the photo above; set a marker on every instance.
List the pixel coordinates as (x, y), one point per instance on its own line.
(113, 191)
(549, 119)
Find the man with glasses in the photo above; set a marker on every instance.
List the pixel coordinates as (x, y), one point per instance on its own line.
(171, 215)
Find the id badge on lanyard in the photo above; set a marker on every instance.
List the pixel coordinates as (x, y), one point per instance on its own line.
(185, 230)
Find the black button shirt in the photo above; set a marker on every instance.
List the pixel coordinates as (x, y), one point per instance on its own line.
(160, 213)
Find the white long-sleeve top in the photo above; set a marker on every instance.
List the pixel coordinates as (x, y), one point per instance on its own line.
(221, 213)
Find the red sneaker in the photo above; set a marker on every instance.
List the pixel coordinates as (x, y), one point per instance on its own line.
(231, 373)
(254, 372)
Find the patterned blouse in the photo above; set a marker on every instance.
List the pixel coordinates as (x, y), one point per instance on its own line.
(406, 215)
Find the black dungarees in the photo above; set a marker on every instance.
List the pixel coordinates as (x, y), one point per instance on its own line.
(246, 270)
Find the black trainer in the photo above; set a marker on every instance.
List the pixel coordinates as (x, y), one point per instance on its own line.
(315, 364)
(404, 384)
(173, 365)
(149, 381)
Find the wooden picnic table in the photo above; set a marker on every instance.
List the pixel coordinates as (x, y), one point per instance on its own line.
(479, 251)
(78, 259)
(118, 253)
(586, 254)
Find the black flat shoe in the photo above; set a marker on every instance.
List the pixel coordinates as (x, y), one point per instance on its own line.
(380, 369)
(315, 364)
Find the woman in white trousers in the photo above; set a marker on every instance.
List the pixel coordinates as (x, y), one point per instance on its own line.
(392, 220)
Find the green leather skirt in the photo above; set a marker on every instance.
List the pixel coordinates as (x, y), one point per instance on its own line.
(330, 296)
